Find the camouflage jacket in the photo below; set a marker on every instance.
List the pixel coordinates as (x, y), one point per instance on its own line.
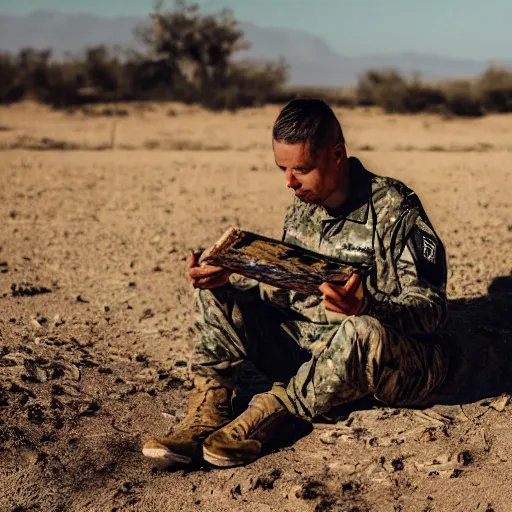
(383, 223)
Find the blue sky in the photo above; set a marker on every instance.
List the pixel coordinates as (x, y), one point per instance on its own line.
(458, 28)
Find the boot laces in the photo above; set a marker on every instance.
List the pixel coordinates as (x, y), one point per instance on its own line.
(250, 420)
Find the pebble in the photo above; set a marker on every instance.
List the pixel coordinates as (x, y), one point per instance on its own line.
(75, 372)
(500, 403)
(35, 325)
(39, 374)
(147, 375)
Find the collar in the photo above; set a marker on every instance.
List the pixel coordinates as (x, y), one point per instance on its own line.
(358, 204)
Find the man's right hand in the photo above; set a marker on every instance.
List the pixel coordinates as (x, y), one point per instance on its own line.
(206, 276)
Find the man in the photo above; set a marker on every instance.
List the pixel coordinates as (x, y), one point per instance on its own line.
(367, 336)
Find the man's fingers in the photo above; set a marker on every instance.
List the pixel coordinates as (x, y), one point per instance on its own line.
(352, 283)
(330, 292)
(333, 300)
(333, 306)
(194, 259)
(207, 270)
(211, 282)
(328, 288)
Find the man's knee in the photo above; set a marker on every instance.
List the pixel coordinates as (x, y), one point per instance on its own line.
(214, 303)
(354, 352)
(360, 335)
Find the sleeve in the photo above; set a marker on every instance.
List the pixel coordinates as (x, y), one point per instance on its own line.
(418, 263)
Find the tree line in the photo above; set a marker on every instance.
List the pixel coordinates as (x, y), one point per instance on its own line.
(188, 57)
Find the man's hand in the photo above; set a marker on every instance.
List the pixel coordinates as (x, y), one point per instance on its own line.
(348, 298)
(205, 276)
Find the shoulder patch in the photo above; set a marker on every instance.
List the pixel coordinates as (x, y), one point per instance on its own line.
(429, 249)
(428, 253)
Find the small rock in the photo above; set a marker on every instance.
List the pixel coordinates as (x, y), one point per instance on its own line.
(347, 469)
(398, 464)
(310, 491)
(465, 458)
(40, 375)
(148, 375)
(57, 404)
(428, 436)
(148, 313)
(500, 403)
(266, 482)
(90, 409)
(61, 390)
(75, 372)
(82, 300)
(327, 438)
(57, 320)
(35, 325)
(35, 372)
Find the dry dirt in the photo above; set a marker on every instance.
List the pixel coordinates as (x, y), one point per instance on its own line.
(98, 215)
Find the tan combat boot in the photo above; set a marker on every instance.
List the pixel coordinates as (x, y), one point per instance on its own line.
(209, 408)
(241, 441)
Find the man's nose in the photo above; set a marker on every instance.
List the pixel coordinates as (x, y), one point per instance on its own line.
(291, 180)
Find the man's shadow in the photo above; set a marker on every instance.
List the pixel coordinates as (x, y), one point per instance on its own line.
(479, 336)
(479, 333)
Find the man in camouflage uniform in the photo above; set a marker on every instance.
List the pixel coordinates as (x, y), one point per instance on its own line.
(370, 335)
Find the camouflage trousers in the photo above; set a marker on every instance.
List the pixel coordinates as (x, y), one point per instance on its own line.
(314, 366)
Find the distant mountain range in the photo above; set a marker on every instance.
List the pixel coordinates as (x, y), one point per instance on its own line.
(312, 60)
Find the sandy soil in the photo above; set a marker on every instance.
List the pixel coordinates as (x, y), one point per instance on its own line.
(98, 215)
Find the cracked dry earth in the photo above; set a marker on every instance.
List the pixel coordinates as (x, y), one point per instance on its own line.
(96, 313)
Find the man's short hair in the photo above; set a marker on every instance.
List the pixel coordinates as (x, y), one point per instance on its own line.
(308, 120)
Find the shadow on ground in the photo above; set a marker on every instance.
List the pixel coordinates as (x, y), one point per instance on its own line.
(479, 332)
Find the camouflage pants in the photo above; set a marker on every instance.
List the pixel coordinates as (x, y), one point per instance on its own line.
(314, 366)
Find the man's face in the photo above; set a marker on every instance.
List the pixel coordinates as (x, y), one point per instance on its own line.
(313, 177)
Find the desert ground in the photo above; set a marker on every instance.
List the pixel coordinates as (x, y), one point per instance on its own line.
(99, 214)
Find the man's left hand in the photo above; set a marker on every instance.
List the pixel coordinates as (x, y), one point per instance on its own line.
(347, 298)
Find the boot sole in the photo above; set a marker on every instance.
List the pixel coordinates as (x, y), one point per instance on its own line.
(165, 458)
(221, 461)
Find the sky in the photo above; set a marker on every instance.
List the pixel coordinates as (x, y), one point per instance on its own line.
(471, 29)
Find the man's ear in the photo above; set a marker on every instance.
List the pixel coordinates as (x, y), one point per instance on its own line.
(340, 150)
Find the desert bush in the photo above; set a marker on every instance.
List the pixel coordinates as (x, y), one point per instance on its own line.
(389, 90)
(384, 88)
(193, 57)
(11, 87)
(188, 59)
(495, 90)
(462, 99)
(248, 84)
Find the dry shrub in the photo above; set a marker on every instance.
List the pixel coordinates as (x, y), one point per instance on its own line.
(495, 90)
(389, 90)
(27, 142)
(462, 99)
